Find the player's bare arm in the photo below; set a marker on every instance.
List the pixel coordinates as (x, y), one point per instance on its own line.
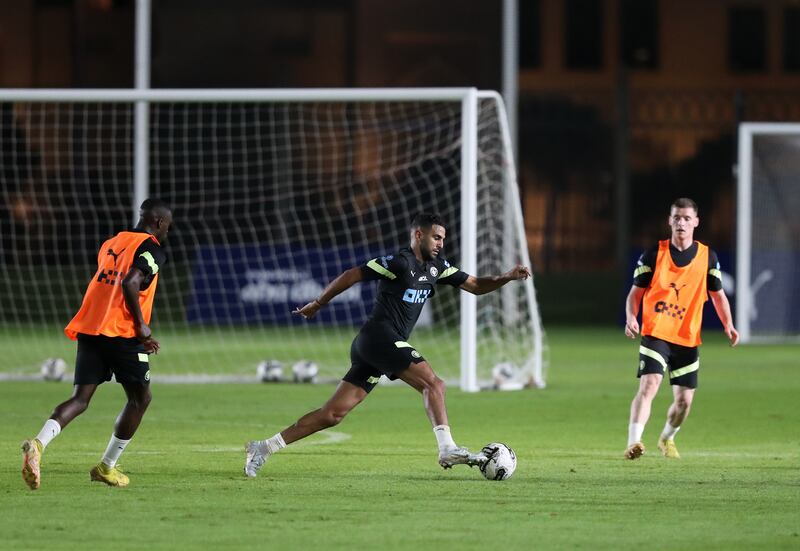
(347, 279)
(483, 285)
(131, 286)
(723, 308)
(632, 305)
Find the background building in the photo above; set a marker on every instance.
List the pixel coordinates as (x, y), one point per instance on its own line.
(624, 104)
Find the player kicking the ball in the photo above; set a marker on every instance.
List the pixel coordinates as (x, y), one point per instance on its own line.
(407, 280)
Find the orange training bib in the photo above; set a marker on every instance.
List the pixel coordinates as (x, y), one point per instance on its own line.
(673, 303)
(103, 311)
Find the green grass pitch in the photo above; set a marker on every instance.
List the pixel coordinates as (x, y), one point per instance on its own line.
(373, 482)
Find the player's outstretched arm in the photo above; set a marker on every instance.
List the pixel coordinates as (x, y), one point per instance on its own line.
(131, 286)
(632, 304)
(723, 308)
(347, 279)
(483, 285)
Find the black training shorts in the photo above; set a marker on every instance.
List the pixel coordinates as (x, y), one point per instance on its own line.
(378, 350)
(99, 357)
(655, 355)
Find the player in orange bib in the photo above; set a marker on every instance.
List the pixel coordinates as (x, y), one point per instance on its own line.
(674, 279)
(113, 337)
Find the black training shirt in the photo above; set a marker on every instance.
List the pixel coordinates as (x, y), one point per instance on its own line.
(149, 258)
(405, 285)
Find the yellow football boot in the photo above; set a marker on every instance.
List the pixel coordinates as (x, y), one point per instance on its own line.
(108, 475)
(668, 449)
(31, 463)
(634, 451)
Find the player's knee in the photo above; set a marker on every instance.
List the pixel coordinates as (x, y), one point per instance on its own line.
(435, 385)
(650, 391)
(332, 417)
(80, 399)
(649, 387)
(141, 401)
(683, 403)
(80, 404)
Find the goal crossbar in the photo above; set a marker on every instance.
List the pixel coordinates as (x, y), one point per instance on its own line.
(235, 95)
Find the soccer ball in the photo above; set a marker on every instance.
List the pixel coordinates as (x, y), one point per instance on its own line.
(305, 371)
(505, 376)
(270, 371)
(53, 369)
(502, 461)
(503, 372)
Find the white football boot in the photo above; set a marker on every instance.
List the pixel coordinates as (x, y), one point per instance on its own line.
(257, 455)
(460, 456)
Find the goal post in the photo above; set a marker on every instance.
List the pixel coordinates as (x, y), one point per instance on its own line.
(514, 233)
(768, 235)
(275, 192)
(469, 233)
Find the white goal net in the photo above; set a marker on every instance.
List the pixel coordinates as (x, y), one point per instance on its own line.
(768, 240)
(271, 199)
